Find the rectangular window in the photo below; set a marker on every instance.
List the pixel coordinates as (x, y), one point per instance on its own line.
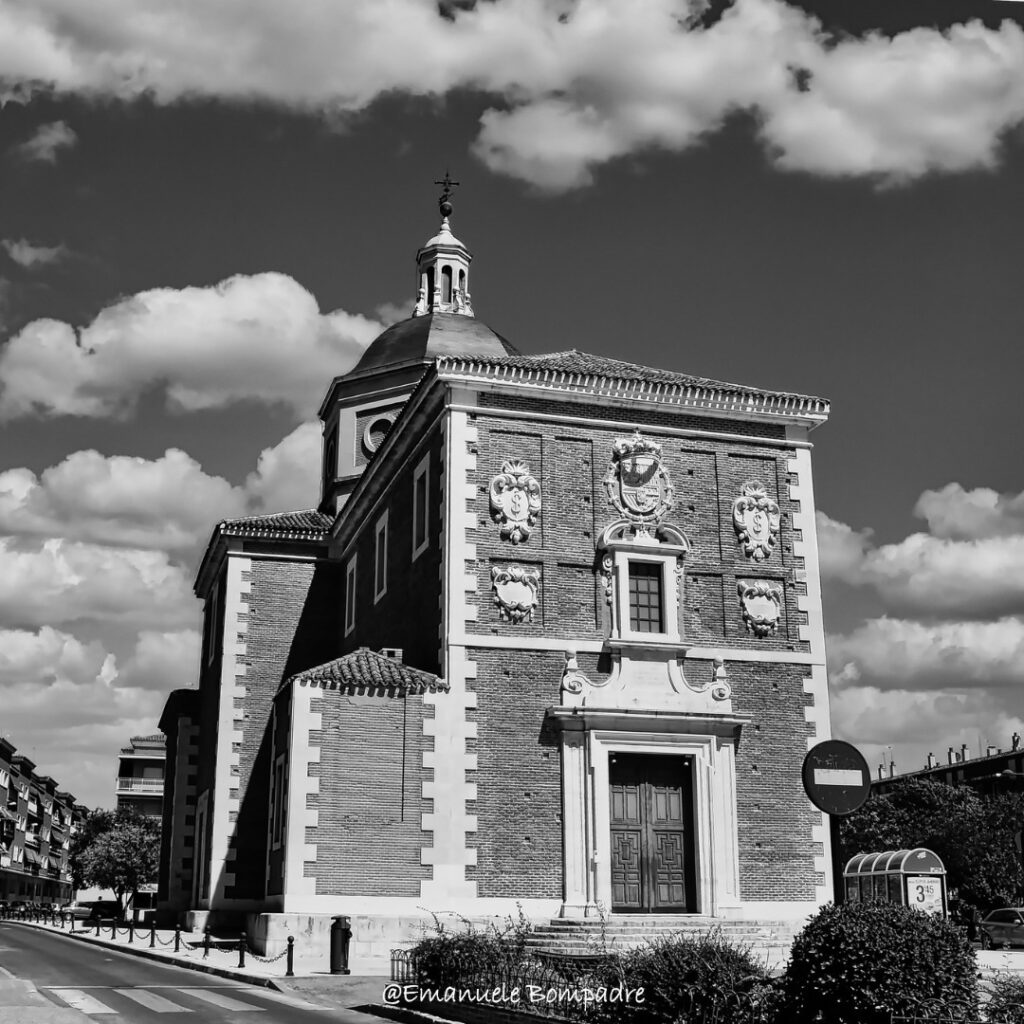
(380, 558)
(645, 610)
(420, 508)
(350, 596)
(278, 801)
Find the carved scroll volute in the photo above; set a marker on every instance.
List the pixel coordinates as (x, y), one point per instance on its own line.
(755, 517)
(515, 592)
(760, 606)
(515, 500)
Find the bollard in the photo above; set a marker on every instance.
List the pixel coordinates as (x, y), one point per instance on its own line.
(341, 935)
(113, 927)
(206, 942)
(177, 938)
(241, 950)
(152, 932)
(97, 927)
(131, 929)
(290, 973)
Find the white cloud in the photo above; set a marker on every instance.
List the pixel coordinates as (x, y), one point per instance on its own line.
(48, 139)
(905, 654)
(29, 256)
(915, 724)
(261, 338)
(577, 83)
(971, 578)
(49, 656)
(167, 503)
(959, 514)
(58, 581)
(287, 476)
(162, 661)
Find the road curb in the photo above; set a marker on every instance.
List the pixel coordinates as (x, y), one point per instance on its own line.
(149, 954)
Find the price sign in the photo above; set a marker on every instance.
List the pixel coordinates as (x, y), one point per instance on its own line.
(924, 892)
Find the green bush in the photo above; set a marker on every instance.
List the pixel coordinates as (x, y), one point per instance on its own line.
(687, 978)
(858, 963)
(1006, 1005)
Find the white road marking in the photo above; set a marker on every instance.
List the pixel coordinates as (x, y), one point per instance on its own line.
(80, 1000)
(264, 993)
(217, 999)
(152, 1001)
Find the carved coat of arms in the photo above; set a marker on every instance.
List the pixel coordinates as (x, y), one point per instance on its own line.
(637, 483)
(755, 517)
(515, 591)
(515, 500)
(761, 606)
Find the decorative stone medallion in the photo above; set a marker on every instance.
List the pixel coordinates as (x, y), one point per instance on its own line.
(515, 592)
(755, 518)
(376, 430)
(761, 606)
(515, 500)
(637, 483)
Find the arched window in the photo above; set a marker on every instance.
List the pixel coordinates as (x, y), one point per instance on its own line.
(462, 283)
(430, 287)
(446, 284)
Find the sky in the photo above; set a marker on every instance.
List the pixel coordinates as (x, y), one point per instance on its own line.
(207, 211)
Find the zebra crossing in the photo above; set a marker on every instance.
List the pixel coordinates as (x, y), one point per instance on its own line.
(96, 1000)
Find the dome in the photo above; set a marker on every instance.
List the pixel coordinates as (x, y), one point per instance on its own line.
(421, 339)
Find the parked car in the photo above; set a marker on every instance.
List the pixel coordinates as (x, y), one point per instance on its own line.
(77, 911)
(104, 910)
(1003, 927)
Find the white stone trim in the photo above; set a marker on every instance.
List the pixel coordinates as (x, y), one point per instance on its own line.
(298, 785)
(816, 682)
(413, 906)
(448, 822)
(547, 417)
(381, 541)
(351, 593)
(715, 836)
(542, 643)
(229, 739)
(422, 470)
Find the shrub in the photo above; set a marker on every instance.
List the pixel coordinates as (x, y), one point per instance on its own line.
(858, 963)
(1006, 1006)
(456, 957)
(687, 978)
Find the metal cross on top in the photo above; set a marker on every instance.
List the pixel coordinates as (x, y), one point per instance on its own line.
(445, 200)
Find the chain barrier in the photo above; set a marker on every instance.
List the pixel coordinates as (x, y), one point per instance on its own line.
(267, 959)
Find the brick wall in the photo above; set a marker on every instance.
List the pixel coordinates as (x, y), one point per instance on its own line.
(774, 815)
(370, 802)
(275, 857)
(291, 626)
(570, 463)
(518, 777)
(408, 616)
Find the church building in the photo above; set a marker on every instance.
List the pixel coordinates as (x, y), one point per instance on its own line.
(553, 637)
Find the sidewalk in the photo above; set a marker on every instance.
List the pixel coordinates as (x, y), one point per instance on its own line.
(312, 980)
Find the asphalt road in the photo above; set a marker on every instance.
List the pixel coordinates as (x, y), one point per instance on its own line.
(117, 988)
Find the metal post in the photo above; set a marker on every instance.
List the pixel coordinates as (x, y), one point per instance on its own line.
(241, 950)
(291, 957)
(177, 938)
(97, 927)
(152, 932)
(341, 935)
(113, 927)
(131, 929)
(206, 942)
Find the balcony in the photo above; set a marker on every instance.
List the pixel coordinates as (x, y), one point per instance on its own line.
(151, 787)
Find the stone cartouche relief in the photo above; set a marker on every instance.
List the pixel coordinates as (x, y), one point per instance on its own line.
(755, 517)
(637, 483)
(760, 606)
(515, 500)
(515, 592)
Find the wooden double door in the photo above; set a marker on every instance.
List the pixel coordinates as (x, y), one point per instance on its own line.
(652, 862)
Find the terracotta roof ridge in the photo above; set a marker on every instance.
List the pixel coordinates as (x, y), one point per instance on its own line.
(276, 515)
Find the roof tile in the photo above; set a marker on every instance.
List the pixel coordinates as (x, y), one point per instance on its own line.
(366, 670)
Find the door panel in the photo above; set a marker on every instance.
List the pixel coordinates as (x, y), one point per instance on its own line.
(651, 833)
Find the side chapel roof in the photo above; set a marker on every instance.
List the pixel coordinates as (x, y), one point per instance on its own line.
(367, 671)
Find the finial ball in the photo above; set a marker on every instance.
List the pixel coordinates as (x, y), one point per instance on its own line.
(446, 208)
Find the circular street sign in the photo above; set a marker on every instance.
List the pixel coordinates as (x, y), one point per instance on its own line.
(837, 779)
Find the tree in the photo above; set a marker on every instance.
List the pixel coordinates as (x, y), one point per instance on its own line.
(973, 834)
(98, 822)
(124, 857)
